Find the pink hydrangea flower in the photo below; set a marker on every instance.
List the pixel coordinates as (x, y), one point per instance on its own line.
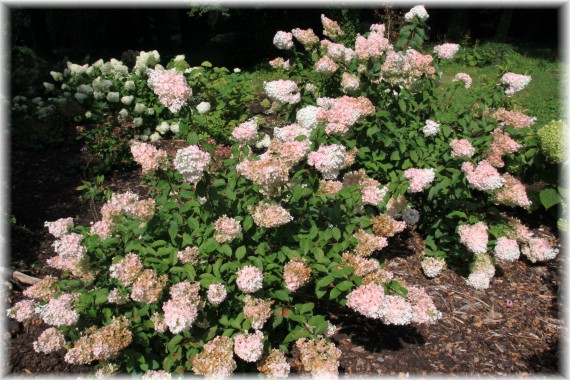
(270, 215)
(328, 159)
(227, 229)
(24, 310)
(170, 87)
(463, 77)
(60, 227)
(483, 177)
(179, 314)
(398, 311)
(249, 347)
(147, 156)
(59, 311)
(307, 37)
(331, 28)
(423, 308)
(515, 82)
(371, 47)
(49, 341)
(446, 51)
(461, 148)
(419, 178)
(538, 250)
(326, 66)
(246, 133)
(507, 249)
(216, 293)
(474, 237)
(430, 128)
(368, 300)
(127, 269)
(249, 279)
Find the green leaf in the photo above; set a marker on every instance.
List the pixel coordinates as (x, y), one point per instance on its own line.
(549, 197)
(325, 281)
(240, 252)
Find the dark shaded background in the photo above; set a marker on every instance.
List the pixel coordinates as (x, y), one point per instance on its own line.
(243, 37)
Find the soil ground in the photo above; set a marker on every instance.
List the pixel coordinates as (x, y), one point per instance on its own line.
(513, 328)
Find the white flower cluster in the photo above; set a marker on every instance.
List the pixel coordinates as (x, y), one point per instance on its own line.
(191, 163)
(432, 266)
(507, 249)
(430, 128)
(307, 117)
(203, 108)
(282, 91)
(164, 127)
(283, 40)
(145, 60)
(418, 11)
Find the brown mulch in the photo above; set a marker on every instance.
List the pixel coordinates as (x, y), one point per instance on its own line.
(480, 332)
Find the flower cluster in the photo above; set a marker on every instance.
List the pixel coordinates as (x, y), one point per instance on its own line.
(461, 148)
(49, 341)
(59, 311)
(282, 91)
(274, 365)
(258, 309)
(386, 226)
(249, 279)
(539, 249)
(170, 87)
(474, 237)
(217, 293)
(307, 117)
(341, 113)
(349, 83)
(246, 133)
(71, 257)
(507, 249)
(44, 290)
(463, 77)
(502, 144)
(319, 357)
(368, 243)
(270, 215)
(514, 118)
(329, 160)
(373, 46)
(101, 343)
(446, 51)
(513, 193)
(283, 40)
(430, 128)
(189, 255)
(227, 229)
(306, 37)
(423, 308)
(483, 177)
(127, 269)
(515, 82)
(181, 310)
(331, 28)
(432, 266)
(216, 360)
(418, 11)
(148, 286)
(296, 273)
(147, 156)
(553, 141)
(326, 66)
(290, 132)
(249, 347)
(191, 163)
(24, 310)
(280, 63)
(60, 227)
(482, 271)
(419, 178)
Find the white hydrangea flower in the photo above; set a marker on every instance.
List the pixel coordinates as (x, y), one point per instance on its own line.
(155, 137)
(418, 11)
(203, 108)
(137, 121)
(113, 97)
(163, 127)
(127, 99)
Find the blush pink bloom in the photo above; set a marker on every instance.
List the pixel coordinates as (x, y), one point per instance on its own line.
(49, 341)
(24, 310)
(371, 47)
(127, 269)
(463, 77)
(507, 249)
(216, 293)
(60, 227)
(367, 300)
(513, 193)
(423, 308)
(329, 160)
(483, 177)
(147, 156)
(179, 315)
(474, 237)
(280, 63)
(515, 118)
(331, 28)
(270, 215)
(249, 279)
(170, 87)
(282, 91)
(419, 178)
(515, 82)
(296, 273)
(461, 148)
(326, 66)
(398, 311)
(539, 250)
(307, 37)
(59, 311)
(249, 347)
(446, 51)
(227, 229)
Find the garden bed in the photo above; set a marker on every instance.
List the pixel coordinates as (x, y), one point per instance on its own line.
(511, 328)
